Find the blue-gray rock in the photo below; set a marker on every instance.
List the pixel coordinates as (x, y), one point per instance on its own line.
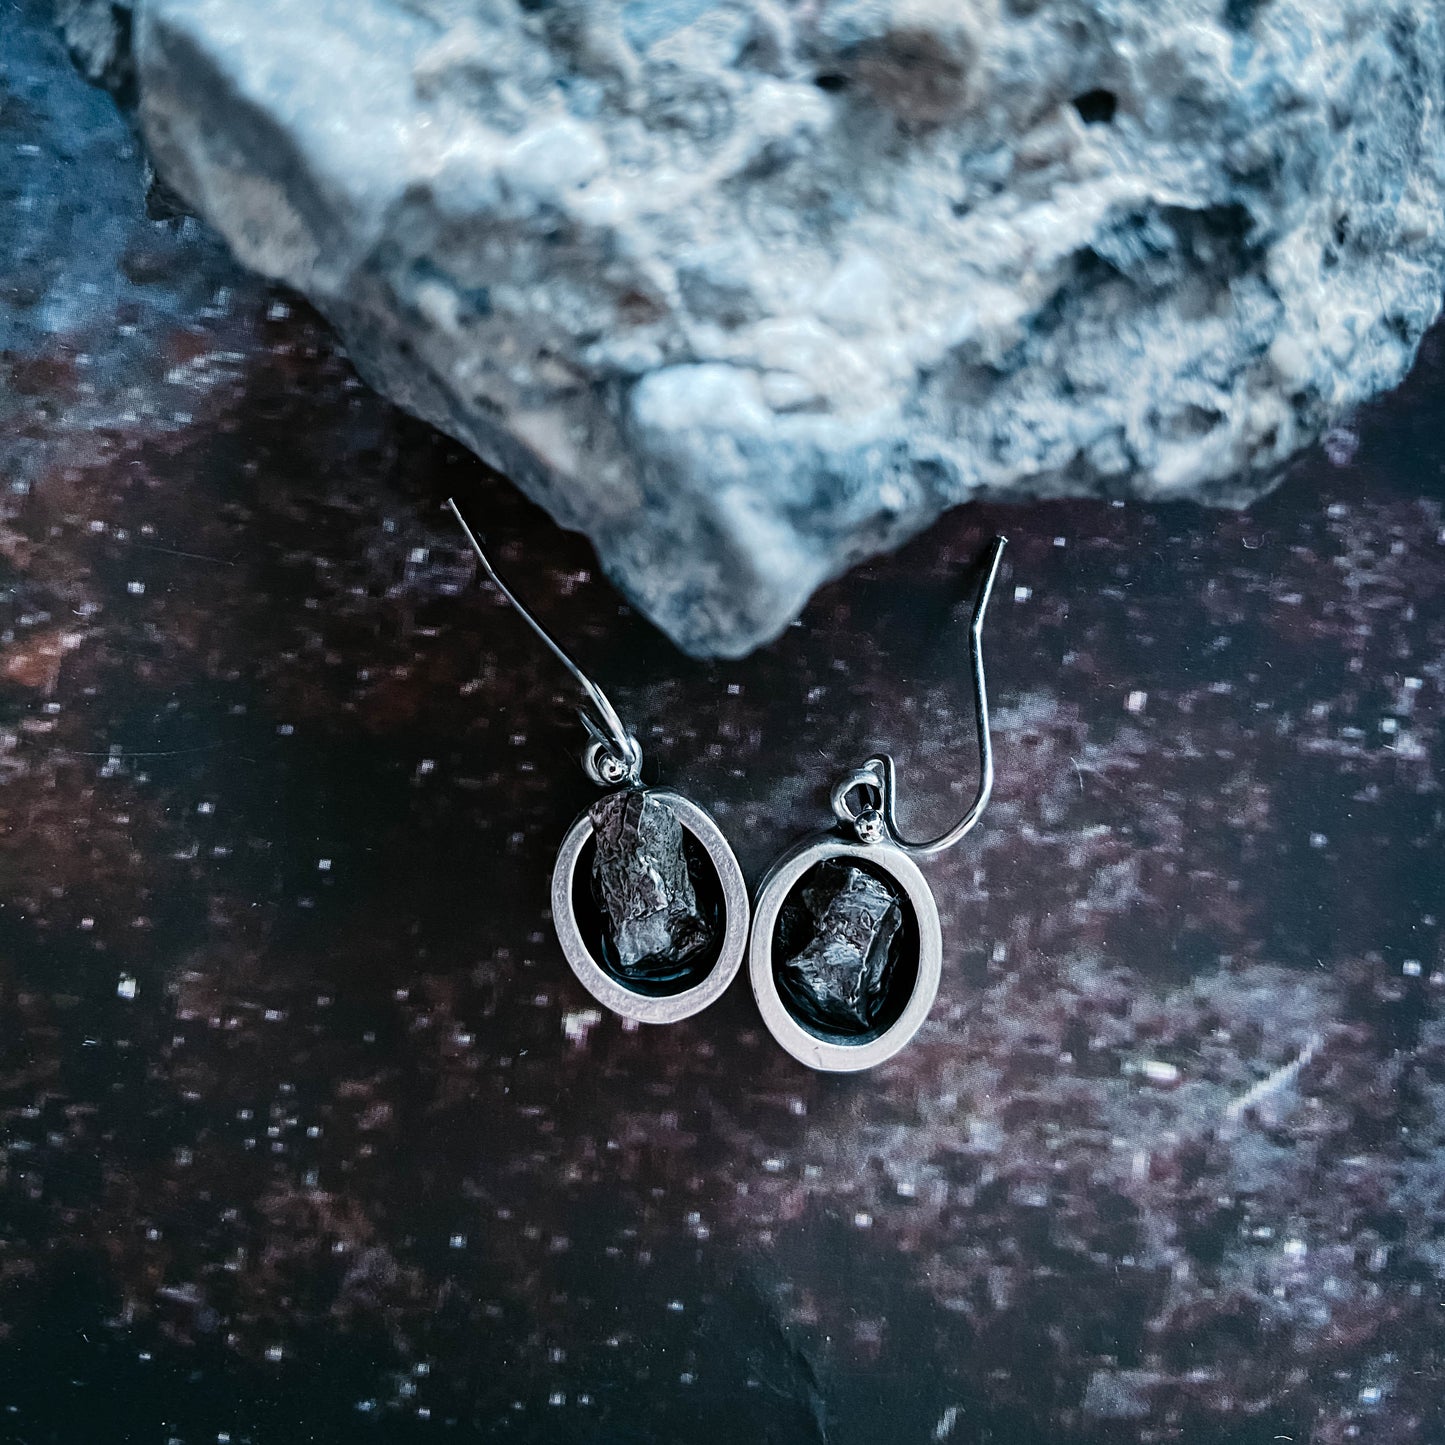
(98, 303)
(748, 291)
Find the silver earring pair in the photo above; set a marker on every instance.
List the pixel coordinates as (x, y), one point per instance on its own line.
(844, 943)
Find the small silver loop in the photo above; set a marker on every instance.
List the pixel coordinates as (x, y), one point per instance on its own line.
(603, 765)
(881, 773)
(867, 777)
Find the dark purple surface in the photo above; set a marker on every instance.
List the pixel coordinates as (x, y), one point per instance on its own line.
(310, 1134)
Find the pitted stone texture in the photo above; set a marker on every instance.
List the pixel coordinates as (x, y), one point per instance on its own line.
(748, 291)
(642, 884)
(838, 980)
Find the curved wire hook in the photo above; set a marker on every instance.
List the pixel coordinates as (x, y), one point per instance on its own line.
(880, 773)
(610, 738)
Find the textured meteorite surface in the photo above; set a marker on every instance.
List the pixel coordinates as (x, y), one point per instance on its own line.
(838, 980)
(640, 875)
(307, 1129)
(748, 290)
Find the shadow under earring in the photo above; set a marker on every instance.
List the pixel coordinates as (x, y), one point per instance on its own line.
(649, 903)
(847, 949)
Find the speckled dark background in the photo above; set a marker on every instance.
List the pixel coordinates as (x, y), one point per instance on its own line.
(308, 1134)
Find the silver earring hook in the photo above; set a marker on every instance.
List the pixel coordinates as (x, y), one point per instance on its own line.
(880, 775)
(614, 755)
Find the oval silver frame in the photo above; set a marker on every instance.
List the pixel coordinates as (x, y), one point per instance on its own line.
(804, 1045)
(607, 990)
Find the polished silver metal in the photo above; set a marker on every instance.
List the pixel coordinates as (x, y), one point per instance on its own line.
(602, 985)
(864, 802)
(879, 775)
(614, 755)
(838, 1055)
(613, 759)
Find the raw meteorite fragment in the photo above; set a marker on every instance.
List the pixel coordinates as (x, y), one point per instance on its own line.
(839, 980)
(640, 879)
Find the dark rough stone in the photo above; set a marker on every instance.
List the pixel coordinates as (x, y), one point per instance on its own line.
(839, 980)
(641, 881)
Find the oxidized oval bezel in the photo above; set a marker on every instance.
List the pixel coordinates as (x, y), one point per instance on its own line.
(802, 1043)
(609, 991)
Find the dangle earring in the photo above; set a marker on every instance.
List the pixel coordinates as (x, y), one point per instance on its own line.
(650, 905)
(846, 948)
